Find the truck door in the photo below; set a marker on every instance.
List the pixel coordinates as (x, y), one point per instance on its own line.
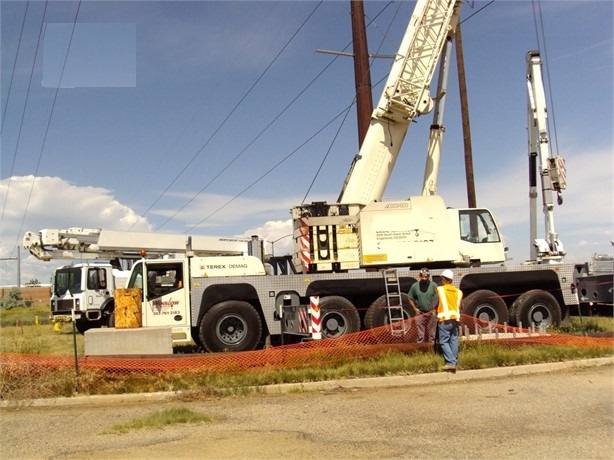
(165, 298)
(97, 289)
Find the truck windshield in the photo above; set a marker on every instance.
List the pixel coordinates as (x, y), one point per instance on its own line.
(478, 226)
(67, 279)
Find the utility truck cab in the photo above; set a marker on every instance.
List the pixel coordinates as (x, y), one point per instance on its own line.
(170, 295)
(86, 290)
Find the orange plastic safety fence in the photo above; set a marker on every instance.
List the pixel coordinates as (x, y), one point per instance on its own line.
(364, 344)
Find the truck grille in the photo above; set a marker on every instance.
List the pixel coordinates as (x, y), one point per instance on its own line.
(62, 306)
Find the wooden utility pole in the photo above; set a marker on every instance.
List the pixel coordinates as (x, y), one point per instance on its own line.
(362, 73)
(464, 105)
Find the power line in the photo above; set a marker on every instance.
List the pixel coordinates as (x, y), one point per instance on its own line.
(55, 95)
(219, 127)
(346, 111)
(23, 114)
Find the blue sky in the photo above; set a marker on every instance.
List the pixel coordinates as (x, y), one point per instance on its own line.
(213, 118)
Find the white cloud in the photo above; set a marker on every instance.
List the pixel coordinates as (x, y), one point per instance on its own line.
(51, 202)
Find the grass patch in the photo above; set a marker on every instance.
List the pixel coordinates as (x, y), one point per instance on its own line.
(161, 419)
(25, 316)
(40, 340)
(589, 325)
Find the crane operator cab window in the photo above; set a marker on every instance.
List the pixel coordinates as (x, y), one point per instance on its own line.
(478, 226)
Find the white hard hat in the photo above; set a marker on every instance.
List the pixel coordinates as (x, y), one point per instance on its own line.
(448, 274)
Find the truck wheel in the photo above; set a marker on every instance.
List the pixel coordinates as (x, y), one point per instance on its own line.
(377, 314)
(111, 320)
(338, 317)
(486, 306)
(230, 326)
(83, 325)
(537, 307)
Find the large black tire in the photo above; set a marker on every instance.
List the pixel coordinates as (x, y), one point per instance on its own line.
(537, 307)
(83, 325)
(111, 319)
(338, 317)
(230, 326)
(377, 314)
(486, 306)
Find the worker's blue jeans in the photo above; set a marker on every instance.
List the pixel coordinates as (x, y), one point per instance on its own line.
(448, 340)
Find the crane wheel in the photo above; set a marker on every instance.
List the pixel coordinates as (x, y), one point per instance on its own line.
(486, 306)
(338, 317)
(231, 325)
(537, 308)
(377, 314)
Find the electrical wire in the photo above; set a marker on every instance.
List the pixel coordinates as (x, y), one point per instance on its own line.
(346, 111)
(8, 97)
(270, 170)
(23, 113)
(223, 123)
(55, 95)
(541, 44)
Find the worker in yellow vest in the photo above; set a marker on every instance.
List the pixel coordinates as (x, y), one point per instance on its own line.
(448, 319)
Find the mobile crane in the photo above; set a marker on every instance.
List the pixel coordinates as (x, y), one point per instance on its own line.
(361, 231)
(228, 303)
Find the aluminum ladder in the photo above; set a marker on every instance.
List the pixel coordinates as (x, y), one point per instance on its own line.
(394, 302)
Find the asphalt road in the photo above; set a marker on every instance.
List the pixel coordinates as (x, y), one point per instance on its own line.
(563, 413)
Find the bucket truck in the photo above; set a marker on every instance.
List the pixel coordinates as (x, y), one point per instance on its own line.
(86, 290)
(362, 231)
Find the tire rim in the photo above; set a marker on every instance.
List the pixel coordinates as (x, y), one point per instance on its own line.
(405, 317)
(231, 329)
(485, 312)
(539, 314)
(333, 325)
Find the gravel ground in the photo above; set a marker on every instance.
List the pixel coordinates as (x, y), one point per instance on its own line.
(566, 414)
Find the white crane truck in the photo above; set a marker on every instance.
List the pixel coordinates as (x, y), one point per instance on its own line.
(229, 303)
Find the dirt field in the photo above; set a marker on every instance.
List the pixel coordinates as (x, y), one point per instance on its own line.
(561, 415)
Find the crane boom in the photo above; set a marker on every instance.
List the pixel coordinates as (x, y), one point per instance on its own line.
(88, 244)
(551, 168)
(406, 96)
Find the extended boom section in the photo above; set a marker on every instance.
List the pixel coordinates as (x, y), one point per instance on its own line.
(88, 244)
(551, 168)
(406, 96)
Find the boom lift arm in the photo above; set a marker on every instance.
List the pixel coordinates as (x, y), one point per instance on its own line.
(406, 96)
(551, 168)
(87, 243)
(433, 153)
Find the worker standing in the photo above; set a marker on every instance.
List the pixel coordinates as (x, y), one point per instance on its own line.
(423, 299)
(448, 317)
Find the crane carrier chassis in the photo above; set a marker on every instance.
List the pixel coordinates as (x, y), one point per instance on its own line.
(533, 295)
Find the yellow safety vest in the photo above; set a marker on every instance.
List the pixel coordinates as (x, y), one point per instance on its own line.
(449, 306)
